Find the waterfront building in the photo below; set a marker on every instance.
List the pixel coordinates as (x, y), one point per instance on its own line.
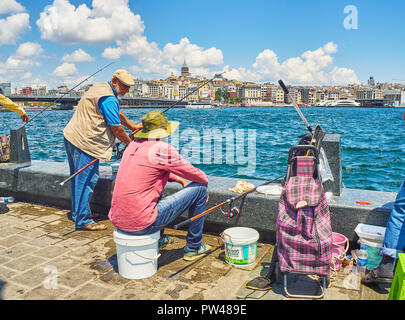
(333, 95)
(26, 91)
(139, 89)
(392, 97)
(320, 96)
(40, 91)
(266, 89)
(370, 97)
(62, 89)
(304, 94)
(168, 91)
(295, 94)
(153, 89)
(250, 93)
(5, 88)
(182, 91)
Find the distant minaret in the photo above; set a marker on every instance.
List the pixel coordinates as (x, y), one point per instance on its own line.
(184, 70)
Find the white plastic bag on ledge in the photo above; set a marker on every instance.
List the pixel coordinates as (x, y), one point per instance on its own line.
(324, 168)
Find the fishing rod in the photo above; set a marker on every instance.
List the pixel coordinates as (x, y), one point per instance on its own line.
(56, 100)
(228, 201)
(116, 146)
(318, 134)
(282, 85)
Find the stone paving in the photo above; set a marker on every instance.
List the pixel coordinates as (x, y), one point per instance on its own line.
(42, 257)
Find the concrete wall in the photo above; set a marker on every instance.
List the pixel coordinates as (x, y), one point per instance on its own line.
(38, 182)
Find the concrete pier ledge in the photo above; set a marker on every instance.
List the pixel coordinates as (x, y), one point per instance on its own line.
(39, 182)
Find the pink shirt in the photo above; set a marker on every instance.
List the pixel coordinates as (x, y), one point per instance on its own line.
(143, 173)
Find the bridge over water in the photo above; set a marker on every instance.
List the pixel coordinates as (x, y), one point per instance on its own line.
(72, 100)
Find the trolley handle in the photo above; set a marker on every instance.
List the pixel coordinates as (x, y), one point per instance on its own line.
(304, 148)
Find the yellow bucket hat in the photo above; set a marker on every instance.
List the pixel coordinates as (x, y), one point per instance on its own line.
(156, 126)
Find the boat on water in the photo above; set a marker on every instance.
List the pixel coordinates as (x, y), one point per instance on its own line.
(199, 105)
(61, 107)
(343, 103)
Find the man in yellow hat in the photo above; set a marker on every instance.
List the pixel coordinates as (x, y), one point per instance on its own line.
(147, 165)
(6, 102)
(90, 134)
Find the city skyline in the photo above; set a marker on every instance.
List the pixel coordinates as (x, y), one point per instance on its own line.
(305, 43)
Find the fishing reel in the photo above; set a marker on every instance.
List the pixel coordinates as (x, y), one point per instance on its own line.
(233, 212)
(118, 151)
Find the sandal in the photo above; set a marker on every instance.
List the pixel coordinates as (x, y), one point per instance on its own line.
(372, 277)
(94, 227)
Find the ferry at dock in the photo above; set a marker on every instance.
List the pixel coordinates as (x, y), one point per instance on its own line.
(338, 103)
(199, 105)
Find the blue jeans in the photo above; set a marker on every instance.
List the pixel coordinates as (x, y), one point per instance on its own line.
(81, 186)
(193, 198)
(394, 239)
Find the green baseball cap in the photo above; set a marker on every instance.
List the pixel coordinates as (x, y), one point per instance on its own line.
(156, 126)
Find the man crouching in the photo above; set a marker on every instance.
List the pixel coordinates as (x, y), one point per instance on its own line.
(147, 165)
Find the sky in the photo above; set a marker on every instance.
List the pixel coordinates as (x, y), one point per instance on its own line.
(311, 42)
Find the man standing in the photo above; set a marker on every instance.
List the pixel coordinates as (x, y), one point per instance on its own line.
(147, 165)
(90, 134)
(6, 102)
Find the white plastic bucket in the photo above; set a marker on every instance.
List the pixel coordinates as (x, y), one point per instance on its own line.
(240, 245)
(137, 256)
(372, 237)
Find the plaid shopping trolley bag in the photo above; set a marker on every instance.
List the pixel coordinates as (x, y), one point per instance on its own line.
(303, 227)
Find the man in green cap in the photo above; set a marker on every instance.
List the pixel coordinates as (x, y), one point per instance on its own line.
(147, 165)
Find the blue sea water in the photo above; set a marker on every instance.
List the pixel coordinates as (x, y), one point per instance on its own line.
(373, 139)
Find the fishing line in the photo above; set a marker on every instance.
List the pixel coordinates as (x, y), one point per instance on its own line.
(59, 98)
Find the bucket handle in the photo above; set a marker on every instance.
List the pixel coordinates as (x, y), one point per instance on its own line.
(223, 236)
(154, 259)
(340, 257)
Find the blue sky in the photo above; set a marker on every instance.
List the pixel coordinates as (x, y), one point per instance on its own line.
(58, 42)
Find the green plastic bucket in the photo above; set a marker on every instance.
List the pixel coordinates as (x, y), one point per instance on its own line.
(240, 245)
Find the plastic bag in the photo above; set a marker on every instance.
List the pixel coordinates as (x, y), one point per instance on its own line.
(324, 168)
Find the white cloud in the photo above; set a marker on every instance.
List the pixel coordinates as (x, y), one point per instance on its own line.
(151, 59)
(343, 75)
(62, 22)
(78, 55)
(65, 70)
(23, 59)
(18, 64)
(312, 67)
(194, 55)
(112, 53)
(10, 6)
(26, 75)
(12, 26)
(29, 49)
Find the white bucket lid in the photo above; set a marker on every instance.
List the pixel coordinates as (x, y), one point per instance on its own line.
(130, 240)
(370, 232)
(240, 235)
